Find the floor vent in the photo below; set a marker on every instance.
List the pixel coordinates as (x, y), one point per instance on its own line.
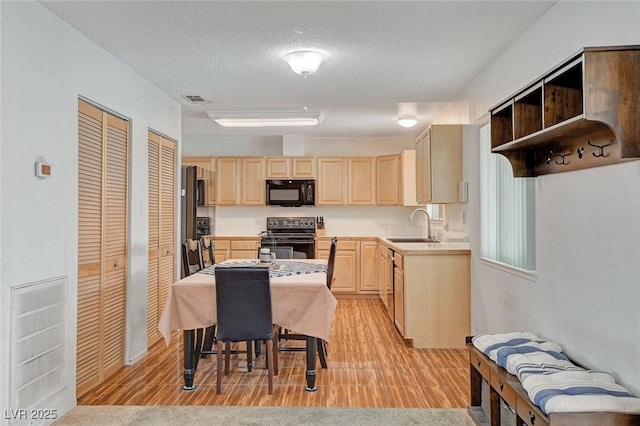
(38, 343)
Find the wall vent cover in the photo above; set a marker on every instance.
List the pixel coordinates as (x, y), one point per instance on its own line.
(38, 342)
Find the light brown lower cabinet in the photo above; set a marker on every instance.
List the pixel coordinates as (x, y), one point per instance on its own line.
(354, 270)
(437, 299)
(368, 282)
(398, 293)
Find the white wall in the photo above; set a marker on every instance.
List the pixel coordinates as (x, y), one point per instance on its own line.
(46, 65)
(587, 292)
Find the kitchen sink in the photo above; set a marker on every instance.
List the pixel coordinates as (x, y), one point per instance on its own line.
(411, 240)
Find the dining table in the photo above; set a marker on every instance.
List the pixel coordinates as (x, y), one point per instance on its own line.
(300, 301)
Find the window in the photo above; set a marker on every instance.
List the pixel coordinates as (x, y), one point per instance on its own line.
(507, 216)
(435, 211)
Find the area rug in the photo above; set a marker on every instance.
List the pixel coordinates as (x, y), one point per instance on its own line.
(198, 415)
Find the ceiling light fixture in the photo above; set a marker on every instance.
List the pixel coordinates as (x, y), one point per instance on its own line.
(407, 120)
(304, 62)
(266, 118)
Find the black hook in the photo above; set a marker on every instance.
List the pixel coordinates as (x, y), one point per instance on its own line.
(580, 152)
(600, 147)
(550, 155)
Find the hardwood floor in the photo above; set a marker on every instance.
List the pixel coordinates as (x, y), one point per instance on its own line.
(369, 366)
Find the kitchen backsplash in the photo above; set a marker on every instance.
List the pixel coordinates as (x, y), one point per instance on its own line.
(342, 221)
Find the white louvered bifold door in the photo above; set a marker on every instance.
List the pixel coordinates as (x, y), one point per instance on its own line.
(162, 173)
(103, 146)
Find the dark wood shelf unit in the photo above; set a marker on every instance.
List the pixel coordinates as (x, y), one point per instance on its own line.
(563, 96)
(527, 112)
(552, 125)
(502, 125)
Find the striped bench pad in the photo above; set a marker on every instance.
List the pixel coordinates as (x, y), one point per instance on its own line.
(579, 391)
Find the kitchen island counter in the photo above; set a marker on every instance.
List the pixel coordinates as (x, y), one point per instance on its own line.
(425, 288)
(419, 249)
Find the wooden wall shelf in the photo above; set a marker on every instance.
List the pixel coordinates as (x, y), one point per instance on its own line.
(559, 122)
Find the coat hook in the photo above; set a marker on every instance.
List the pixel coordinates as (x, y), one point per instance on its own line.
(561, 162)
(600, 147)
(580, 152)
(547, 158)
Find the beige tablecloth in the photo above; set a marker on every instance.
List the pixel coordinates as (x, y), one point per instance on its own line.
(299, 302)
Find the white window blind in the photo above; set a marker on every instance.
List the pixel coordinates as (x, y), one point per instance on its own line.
(507, 216)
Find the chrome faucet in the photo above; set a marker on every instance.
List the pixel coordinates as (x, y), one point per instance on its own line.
(420, 209)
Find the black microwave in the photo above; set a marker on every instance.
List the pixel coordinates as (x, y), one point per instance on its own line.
(291, 192)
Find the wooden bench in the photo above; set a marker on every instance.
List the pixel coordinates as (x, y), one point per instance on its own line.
(495, 393)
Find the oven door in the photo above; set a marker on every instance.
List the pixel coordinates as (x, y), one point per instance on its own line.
(303, 248)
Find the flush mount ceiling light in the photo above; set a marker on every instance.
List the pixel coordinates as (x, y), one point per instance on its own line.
(407, 120)
(266, 118)
(304, 62)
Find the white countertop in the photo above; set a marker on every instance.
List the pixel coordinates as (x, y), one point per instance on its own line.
(412, 249)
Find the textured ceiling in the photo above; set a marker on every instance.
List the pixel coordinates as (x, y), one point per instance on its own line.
(381, 54)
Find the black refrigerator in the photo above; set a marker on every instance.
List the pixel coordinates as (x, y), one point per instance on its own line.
(188, 203)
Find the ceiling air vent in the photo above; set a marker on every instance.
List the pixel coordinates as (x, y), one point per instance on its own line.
(196, 99)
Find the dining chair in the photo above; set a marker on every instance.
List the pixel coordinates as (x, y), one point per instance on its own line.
(207, 249)
(191, 257)
(243, 302)
(284, 334)
(192, 262)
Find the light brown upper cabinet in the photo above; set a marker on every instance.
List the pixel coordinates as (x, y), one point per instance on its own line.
(228, 182)
(396, 179)
(388, 180)
(161, 269)
(361, 181)
(291, 168)
(253, 184)
(439, 164)
(103, 205)
(332, 181)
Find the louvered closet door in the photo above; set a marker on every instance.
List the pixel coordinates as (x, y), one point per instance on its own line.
(102, 235)
(162, 168)
(115, 254)
(90, 159)
(154, 239)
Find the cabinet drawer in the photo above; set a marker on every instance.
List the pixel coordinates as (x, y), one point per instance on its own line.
(531, 416)
(244, 245)
(221, 244)
(342, 244)
(480, 365)
(504, 390)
